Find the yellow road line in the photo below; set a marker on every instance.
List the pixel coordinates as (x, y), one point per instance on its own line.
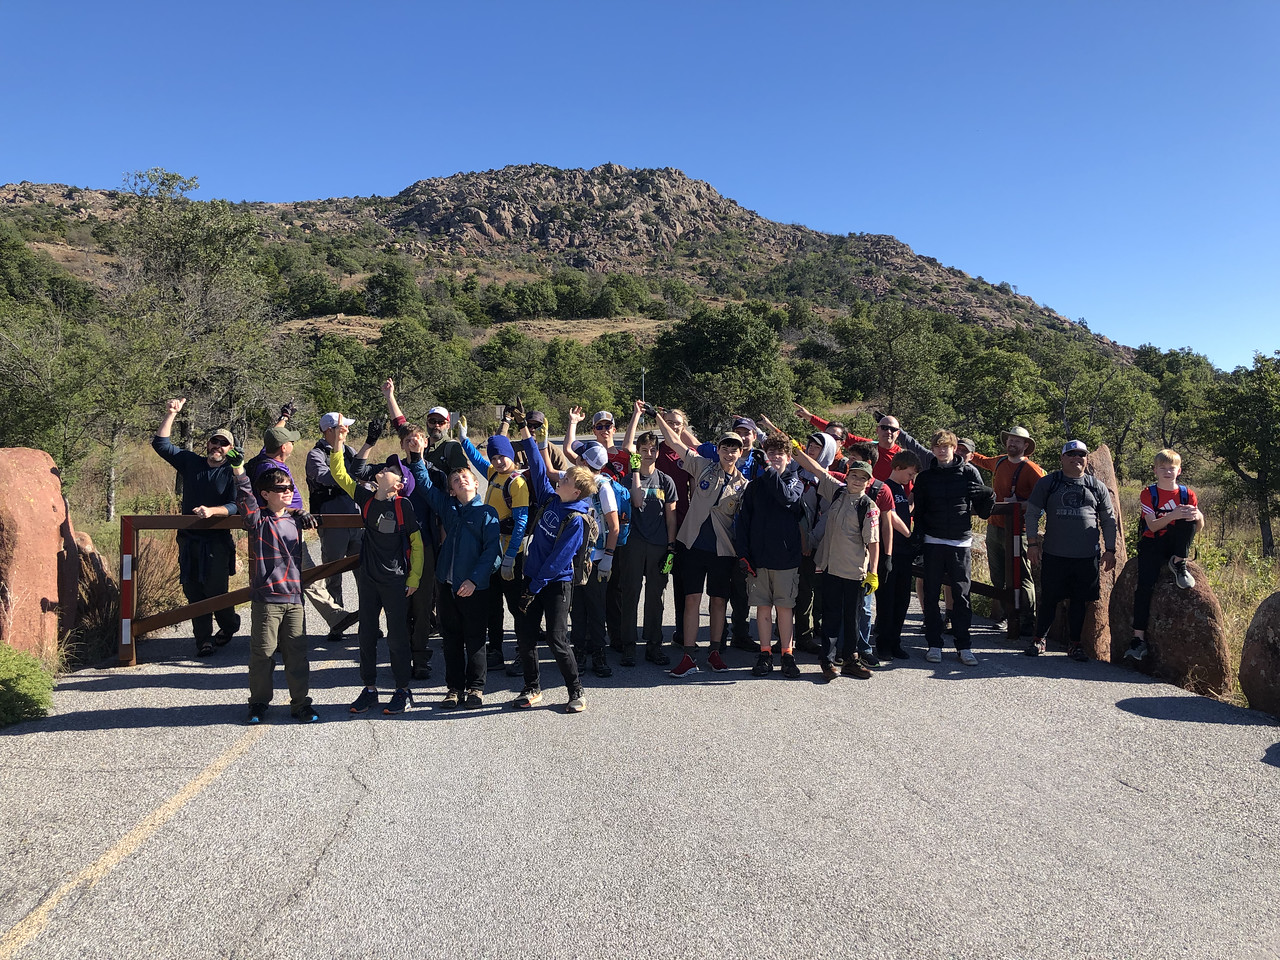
(30, 926)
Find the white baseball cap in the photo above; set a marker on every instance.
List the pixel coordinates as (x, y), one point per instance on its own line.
(331, 420)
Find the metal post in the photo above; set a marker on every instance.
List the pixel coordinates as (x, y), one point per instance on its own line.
(643, 371)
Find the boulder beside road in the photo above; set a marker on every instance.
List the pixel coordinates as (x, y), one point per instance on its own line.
(1260, 658)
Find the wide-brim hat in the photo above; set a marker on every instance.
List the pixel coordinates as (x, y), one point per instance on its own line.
(1023, 434)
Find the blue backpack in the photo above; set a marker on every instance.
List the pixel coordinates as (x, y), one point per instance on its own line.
(622, 495)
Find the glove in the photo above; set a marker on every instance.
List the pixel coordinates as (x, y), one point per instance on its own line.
(745, 566)
(540, 436)
(604, 567)
(306, 521)
(508, 568)
(650, 410)
(235, 457)
(517, 416)
(886, 564)
(870, 585)
(462, 426)
(525, 601)
(635, 461)
(669, 559)
(288, 411)
(377, 426)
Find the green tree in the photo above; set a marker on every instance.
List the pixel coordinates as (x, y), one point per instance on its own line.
(392, 291)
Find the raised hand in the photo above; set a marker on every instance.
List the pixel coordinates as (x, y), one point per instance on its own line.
(288, 411)
(576, 415)
(388, 388)
(377, 426)
(801, 411)
(416, 443)
(175, 406)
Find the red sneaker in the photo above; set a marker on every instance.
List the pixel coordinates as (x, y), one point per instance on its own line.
(716, 662)
(685, 668)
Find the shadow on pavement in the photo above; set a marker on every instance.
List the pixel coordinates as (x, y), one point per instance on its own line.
(1194, 709)
(1272, 756)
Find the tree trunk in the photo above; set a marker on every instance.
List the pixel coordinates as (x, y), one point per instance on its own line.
(113, 454)
(1264, 523)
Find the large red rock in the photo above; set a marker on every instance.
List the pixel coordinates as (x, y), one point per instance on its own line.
(1260, 658)
(34, 530)
(1095, 637)
(1185, 631)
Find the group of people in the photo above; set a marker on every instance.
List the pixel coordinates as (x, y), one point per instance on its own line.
(821, 537)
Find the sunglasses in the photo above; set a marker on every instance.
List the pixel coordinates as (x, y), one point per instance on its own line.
(1075, 453)
(603, 425)
(219, 442)
(436, 421)
(281, 488)
(888, 429)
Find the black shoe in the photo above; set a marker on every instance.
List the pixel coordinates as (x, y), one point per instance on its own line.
(628, 659)
(654, 654)
(764, 665)
(342, 626)
(790, 669)
(870, 659)
(399, 701)
(451, 700)
(1034, 648)
(257, 713)
(515, 668)
(304, 712)
(493, 659)
(529, 697)
(600, 666)
(474, 699)
(808, 645)
(368, 698)
(222, 637)
(899, 653)
(1076, 653)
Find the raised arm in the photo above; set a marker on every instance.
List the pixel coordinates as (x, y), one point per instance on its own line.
(337, 436)
(571, 435)
(393, 408)
(629, 440)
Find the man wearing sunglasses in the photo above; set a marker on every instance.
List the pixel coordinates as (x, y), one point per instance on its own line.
(205, 557)
(1076, 506)
(886, 440)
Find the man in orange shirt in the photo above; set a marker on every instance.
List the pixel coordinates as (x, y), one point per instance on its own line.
(1013, 478)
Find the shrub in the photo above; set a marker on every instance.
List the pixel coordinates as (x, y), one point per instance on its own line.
(26, 687)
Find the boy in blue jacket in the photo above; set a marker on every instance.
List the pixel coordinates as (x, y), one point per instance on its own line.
(468, 558)
(548, 569)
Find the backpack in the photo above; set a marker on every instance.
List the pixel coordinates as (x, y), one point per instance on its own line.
(864, 504)
(590, 533)
(507, 525)
(1017, 471)
(397, 502)
(1153, 492)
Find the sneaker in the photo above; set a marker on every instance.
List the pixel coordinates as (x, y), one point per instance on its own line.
(808, 645)
(529, 697)
(475, 698)
(829, 671)
(1034, 648)
(1076, 653)
(654, 654)
(716, 662)
(967, 658)
(744, 643)
(899, 653)
(934, 655)
(257, 713)
(342, 626)
(628, 659)
(399, 702)
(515, 668)
(1181, 575)
(764, 665)
(1137, 651)
(600, 666)
(790, 669)
(305, 712)
(685, 668)
(368, 698)
(422, 671)
(853, 668)
(451, 700)
(577, 702)
(870, 659)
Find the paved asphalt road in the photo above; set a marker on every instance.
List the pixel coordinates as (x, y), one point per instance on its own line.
(1021, 808)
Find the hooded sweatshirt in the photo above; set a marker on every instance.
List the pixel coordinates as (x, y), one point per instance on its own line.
(549, 558)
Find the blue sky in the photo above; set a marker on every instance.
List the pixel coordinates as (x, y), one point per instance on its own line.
(1116, 161)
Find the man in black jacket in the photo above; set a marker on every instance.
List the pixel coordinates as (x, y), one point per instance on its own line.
(946, 497)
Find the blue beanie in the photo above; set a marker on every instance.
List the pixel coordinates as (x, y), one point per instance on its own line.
(500, 446)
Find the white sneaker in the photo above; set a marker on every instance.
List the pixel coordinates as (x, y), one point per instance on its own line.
(1181, 575)
(934, 655)
(968, 659)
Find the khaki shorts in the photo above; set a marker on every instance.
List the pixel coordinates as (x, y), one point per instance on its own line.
(774, 588)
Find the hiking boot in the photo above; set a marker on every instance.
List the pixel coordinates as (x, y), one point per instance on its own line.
(1076, 653)
(304, 712)
(628, 659)
(790, 669)
(743, 642)
(654, 654)
(716, 662)
(600, 666)
(1181, 575)
(577, 702)
(829, 671)
(257, 713)
(854, 668)
(398, 702)
(368, 698)
(899, 653)
(529, 697)
(342, 626)
(685, 668)
(451, 700)
(475, 698)
(1034, 648)
(1137, 651)
(764, 665)
(933, 655)
(967, 657)
(870, 659)
(808, 645)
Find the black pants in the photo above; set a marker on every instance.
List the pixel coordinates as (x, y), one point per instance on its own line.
(842, 603)
(204, 564)
(740, 605)
(643, 570)
(808, 617)
(552, 601)
(943, 564)
(462, 629)
(1154, 554)
(1067, 578)
(500, 590)
(613, 594)
(893, 599)
(374, 599)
